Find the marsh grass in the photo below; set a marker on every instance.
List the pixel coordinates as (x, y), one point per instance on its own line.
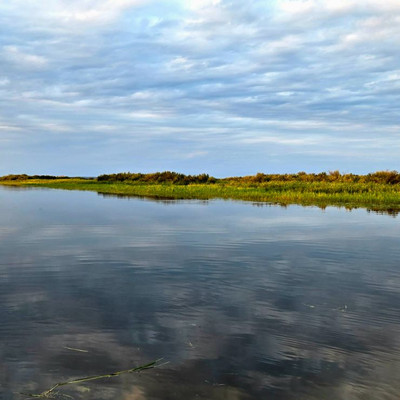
(322, 193)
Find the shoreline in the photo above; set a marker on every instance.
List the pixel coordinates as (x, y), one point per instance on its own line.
(373, 196)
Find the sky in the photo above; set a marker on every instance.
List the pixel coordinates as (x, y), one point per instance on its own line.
(222, 87)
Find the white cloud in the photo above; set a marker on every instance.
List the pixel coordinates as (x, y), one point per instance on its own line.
(97, 11)
(298, 8)
(276, 139)
(202, 5)
(286, 43)
(9, 128)
(217, 75)
(180, 63)
(144, 114)
(75, 12)
(195, 154)
(23, 59)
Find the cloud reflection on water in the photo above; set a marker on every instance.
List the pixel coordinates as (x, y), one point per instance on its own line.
(244, 302)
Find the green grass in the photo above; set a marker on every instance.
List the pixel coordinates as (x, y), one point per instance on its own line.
(376, 196)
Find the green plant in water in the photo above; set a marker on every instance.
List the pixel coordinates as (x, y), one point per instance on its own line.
(52, 391)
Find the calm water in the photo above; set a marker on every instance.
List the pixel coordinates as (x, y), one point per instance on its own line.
(244, 301)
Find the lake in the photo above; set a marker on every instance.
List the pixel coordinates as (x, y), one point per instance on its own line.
(241, 300)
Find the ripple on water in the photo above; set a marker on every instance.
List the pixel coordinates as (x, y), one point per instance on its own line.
(244, 302)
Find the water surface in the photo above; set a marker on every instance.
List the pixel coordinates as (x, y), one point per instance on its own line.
(245, 301)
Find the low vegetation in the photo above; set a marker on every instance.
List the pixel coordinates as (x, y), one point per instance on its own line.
(383, 177)
(379, 190)
(24, 177)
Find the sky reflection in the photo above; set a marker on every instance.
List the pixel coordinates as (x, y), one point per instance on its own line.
(244, 302)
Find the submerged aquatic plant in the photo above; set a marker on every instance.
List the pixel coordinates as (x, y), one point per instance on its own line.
(52, 391)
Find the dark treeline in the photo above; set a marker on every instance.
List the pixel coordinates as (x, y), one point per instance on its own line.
(384, 177)
(158, 177)
(24, 177)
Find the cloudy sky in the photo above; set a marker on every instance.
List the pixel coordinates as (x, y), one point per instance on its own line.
(224, 87)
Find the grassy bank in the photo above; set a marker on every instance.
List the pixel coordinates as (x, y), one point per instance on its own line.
(376, 196)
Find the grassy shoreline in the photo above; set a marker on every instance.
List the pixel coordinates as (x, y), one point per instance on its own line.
(374, 196)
